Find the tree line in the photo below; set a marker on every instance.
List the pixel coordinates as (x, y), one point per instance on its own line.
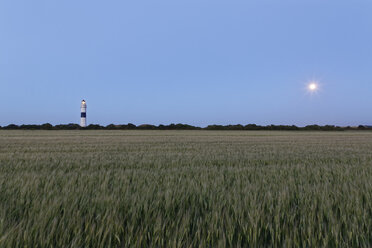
(130, 126)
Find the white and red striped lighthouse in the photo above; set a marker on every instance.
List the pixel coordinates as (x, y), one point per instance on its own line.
(83, 114)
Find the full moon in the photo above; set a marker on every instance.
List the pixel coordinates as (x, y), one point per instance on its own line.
(313, 86)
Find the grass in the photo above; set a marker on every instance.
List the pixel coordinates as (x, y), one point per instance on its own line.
(185, 189)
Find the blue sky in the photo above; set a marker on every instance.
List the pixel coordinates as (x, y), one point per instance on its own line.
(187, 61)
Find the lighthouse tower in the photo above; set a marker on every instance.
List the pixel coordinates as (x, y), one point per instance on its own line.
(83, 110)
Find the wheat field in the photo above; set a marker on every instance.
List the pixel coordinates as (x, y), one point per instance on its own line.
(185, 189)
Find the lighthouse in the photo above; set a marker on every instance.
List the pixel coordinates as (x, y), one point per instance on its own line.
(83, 116)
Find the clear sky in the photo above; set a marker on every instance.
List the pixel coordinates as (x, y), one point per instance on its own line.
(198, 62)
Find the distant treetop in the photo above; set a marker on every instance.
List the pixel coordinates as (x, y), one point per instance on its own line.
(130, 126)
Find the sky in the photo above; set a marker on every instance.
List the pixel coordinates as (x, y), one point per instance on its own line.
(197, 62)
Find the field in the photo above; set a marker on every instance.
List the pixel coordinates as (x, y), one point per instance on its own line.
(185, 189)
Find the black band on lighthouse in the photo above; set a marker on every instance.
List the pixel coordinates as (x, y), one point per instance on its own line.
(83, 114)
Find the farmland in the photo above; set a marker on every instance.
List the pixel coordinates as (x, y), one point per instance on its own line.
(185, 189)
